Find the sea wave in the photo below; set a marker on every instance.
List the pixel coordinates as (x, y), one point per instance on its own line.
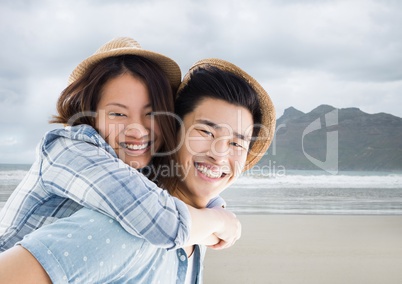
(304, 180)
(323, 181)
(14, 175)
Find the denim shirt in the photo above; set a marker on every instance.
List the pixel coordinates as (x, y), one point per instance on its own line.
(89, 247)
(75, 167)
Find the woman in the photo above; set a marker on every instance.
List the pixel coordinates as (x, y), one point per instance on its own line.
(108, 109)
(228, 123)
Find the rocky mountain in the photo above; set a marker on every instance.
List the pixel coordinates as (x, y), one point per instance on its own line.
(333, 139)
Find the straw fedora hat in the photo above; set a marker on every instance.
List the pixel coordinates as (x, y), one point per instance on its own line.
(128, 46)
(268, 121)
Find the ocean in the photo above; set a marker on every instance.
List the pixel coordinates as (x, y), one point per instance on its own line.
(314, 192)
(291, 192)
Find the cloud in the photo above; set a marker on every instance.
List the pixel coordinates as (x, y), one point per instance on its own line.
(8, 141)
(305, 53)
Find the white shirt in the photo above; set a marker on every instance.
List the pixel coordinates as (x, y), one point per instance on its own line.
(190, 269)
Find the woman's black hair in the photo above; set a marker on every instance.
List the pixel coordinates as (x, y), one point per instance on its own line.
(77, 104)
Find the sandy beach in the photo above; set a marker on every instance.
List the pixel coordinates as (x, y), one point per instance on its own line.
(311, 249)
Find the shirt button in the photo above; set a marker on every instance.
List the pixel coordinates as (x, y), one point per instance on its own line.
(182, 257)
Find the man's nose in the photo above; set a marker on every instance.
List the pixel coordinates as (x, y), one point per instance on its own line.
(219, 150)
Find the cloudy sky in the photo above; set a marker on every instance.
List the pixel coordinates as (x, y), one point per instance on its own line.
(344, 53)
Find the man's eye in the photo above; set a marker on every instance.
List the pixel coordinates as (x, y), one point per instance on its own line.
(237, 145)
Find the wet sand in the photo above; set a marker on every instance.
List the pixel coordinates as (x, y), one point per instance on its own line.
(311, 249)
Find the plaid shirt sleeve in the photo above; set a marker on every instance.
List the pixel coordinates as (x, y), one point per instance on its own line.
(94, 178)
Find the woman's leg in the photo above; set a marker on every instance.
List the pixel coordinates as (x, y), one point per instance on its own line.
(17, 265)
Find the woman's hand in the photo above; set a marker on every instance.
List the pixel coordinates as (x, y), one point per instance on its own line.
(216, 227)
(230, 231)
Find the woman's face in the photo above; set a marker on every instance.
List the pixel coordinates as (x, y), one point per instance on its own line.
(213, 150)
(124, 120)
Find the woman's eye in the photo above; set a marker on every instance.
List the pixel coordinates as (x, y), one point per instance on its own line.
(151, 113)
(207, 133)
(116, 114)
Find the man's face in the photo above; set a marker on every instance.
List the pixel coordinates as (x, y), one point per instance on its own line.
(214, 149)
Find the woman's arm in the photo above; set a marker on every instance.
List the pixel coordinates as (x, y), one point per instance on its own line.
(55, 246)
(83, 169)
(92, 176)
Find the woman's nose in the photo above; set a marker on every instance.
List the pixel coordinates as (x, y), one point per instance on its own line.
(136, 130)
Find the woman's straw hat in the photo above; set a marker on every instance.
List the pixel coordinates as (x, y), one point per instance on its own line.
(125, 46)
(267, 127)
